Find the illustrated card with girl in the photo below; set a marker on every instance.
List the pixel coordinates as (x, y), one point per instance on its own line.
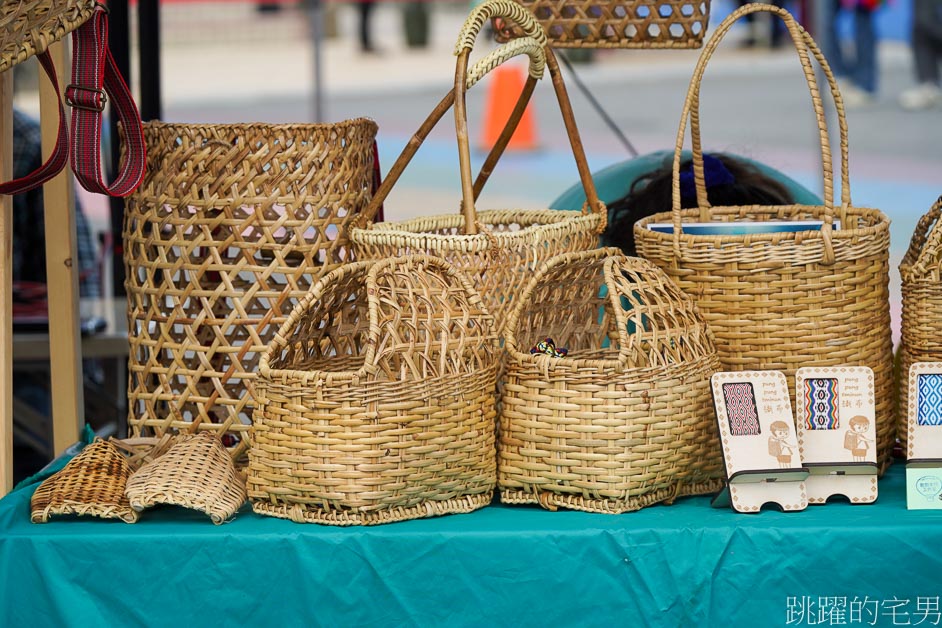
(835, 419)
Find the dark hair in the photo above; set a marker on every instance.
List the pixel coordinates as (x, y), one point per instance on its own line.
(737, 184)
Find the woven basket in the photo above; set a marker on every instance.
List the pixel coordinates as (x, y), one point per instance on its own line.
(28, 27)
(618, 23)
(91, 484)
(376, 399)
(232, 225)
(625, 419)
(921, 326)
(780, 301)
(195, 473)
(498, 249)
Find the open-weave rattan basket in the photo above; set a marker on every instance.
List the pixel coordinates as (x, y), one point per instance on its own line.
(783, 300)
(618, 23)
(625, 419)
(91, 484)
(28, 27)
(921, 325)
(231, 226)
(498, 249)
(376, 399)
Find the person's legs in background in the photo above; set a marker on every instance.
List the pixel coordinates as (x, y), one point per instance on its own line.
(366, 9)
(927, 54)
(865, 50)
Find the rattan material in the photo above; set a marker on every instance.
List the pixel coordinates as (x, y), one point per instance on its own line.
(197, 473)
(498, 249)
(91, 484)
(28, 27)
(921, 324)
(619, 23)
(781, 301)
(625, 419)
(376, 399)
(231, 226)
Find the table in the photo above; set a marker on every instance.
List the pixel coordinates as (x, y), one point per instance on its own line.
(682, 565)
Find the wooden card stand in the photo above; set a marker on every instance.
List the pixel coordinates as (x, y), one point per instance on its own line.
(760, 450)
(924, 443)
(835, 418)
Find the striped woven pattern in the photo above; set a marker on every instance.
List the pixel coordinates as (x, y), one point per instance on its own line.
(28, 27)
(619, 23)
(625, 420)
(823, 402)
(780, 301)
(376, 399)
(231, 226)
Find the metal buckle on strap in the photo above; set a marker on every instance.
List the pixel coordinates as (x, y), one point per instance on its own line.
(71, 88)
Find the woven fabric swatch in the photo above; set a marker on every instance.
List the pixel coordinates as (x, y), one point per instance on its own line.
(741, 409)
(929, 408)
(821, 400)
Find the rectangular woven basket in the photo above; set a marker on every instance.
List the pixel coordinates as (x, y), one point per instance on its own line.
(921, 321)
(617, 23)
(625, 418)
(231, 226)
(376, 399)
(780, 301)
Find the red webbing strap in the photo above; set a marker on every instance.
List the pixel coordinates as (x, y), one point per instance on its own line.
(94, 74)
(60, 152)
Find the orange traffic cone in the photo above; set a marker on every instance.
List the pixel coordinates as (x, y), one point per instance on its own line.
(504, 87)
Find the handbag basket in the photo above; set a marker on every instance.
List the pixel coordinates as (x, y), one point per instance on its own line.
(784, 300)
(921, 321)
(497, 249)
(618, 23)
(625, 419)
(376, 401)
(231, 226)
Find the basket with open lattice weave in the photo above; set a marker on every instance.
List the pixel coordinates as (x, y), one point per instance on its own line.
(498, 249)
(921, 321)
(783, 300)
(376, 399)
(231, 226)
(28, 27)
(625, 418)
(617, 23)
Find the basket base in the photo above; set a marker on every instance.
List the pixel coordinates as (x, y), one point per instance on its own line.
(302, 514)
(554, 501)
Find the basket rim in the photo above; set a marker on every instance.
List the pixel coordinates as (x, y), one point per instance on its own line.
(881, 223)
(413, 230)
(159, 125)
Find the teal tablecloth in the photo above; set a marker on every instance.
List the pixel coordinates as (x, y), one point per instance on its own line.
(681, 565)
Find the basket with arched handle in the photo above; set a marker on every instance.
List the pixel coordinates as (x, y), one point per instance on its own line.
(625, 418)
(498, 249)
(376, 399)
(785, 299)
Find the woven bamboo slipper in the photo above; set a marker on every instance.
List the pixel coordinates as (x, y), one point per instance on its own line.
(197, 473)
(91, 484)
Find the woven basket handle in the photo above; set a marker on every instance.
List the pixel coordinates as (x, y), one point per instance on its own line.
(311, 299)
(533, 47)
(411, 299)
(924, 245)
(490, 9)
(803, 44)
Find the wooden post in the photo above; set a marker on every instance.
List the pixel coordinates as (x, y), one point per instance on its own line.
(62, 270)
(6, 285)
